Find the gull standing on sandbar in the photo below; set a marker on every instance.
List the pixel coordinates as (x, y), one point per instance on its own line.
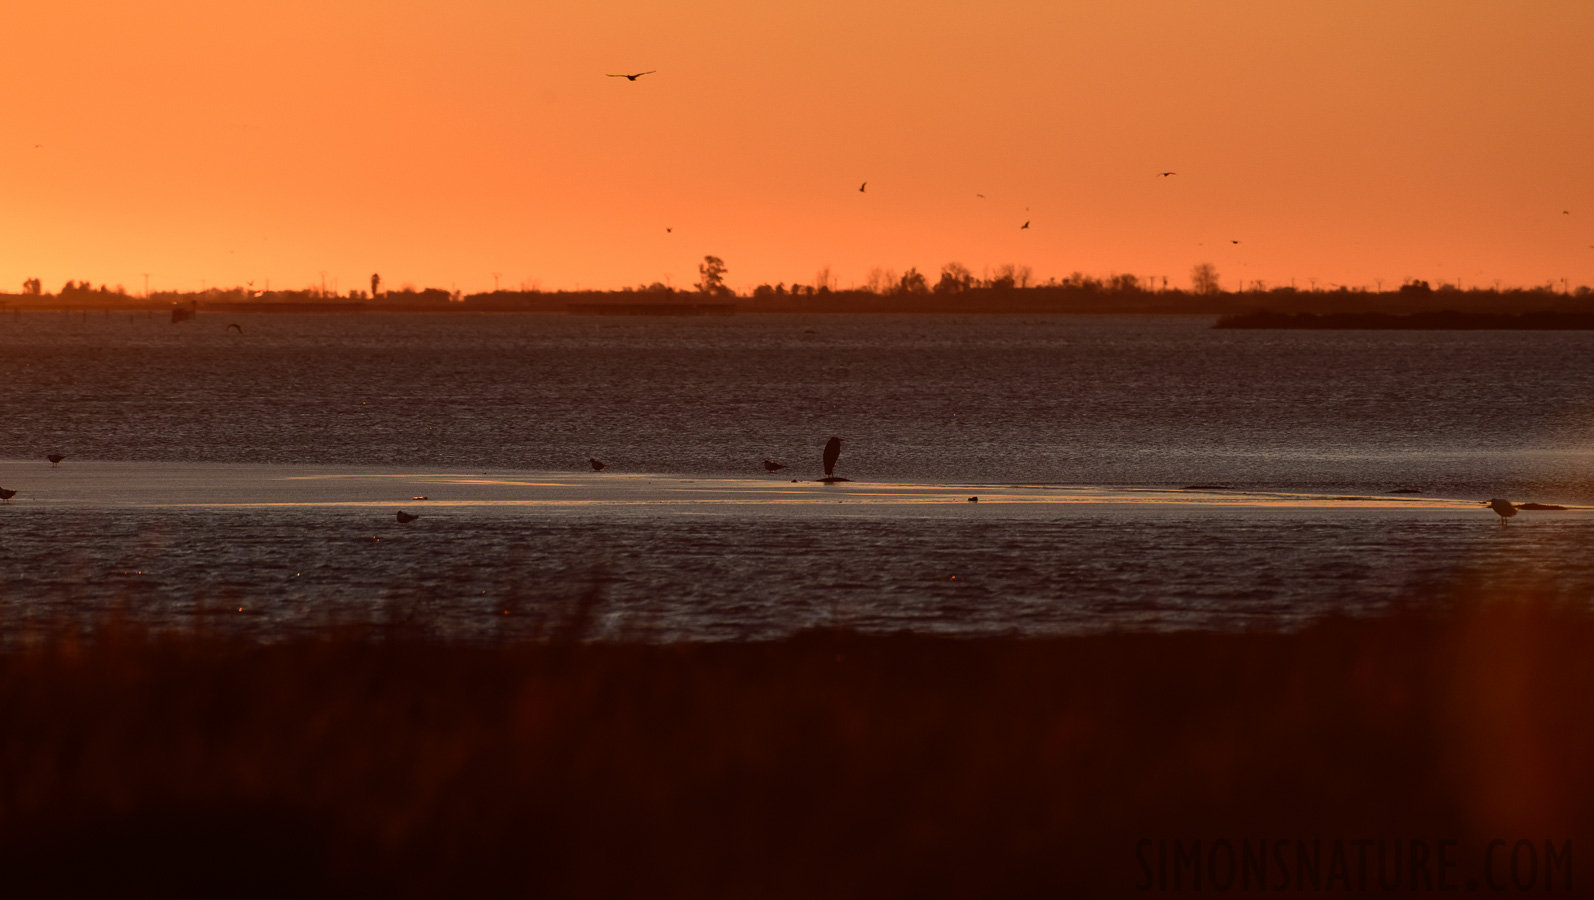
(1503, 508)
(832, 453)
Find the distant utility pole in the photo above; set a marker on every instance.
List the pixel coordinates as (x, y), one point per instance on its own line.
(495, 281)
(146, 285)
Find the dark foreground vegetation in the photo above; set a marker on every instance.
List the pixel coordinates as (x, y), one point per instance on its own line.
(830, 764)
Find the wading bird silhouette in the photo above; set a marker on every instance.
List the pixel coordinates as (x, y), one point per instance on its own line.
(771, 466)
(6, 495)
(55, 459)
(596, 465)
(1503, 508)
(832, 453)
(405, 518)
(633, 77)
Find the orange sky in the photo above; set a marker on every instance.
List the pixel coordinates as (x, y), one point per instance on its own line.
(440, 142)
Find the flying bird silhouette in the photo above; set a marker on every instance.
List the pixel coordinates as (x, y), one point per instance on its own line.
(981, 196)
(6, 495)
(405, 518)
(668, 229)
(55, 459)
(771, 466)
(596, 465)
(1503, 508)
(832, 453)
(634, 77)
(1234, 242)
(1024, 226)
(1165, 174)
(862, 186)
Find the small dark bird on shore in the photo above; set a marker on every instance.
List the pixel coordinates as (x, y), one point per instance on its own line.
(633, 77)
(974, 499)
(405, 518)
(596, 465)
(6, 495)
(771, 466)
(832, 453)
(55, 459)
(235, 325)
(1503, 508)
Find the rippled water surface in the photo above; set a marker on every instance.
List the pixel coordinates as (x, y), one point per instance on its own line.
(1130, 402)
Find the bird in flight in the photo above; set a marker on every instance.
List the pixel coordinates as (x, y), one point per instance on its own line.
(1024, 226)
(771, 466)
(6, 495)
(981, 196)
(1504, 508)
(55, 459)
(1234, 242)
(633, 77)
(405, 518)
(668, 229)
(862, 186)
(1165, 174)
(597, 466)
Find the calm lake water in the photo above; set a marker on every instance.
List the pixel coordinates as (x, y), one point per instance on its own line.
(1119, 402)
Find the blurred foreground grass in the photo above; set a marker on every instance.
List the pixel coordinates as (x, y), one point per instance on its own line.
(830, 764)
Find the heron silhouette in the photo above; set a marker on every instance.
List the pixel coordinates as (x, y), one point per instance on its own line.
(1503, 508)
(6, 495)
(55, 459)
(405, 518)
(597, 466)
(832, 453)
(633, 77)
(771, 466)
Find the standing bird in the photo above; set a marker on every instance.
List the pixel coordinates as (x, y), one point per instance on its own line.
(1503, 508)
(596, 465)
(633, 77)
(832, 453)
(405, 518)
(771, 466)
(6, 495)
(55, 459)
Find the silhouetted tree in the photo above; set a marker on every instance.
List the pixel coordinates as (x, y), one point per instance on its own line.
(913, 283)
(376, 283)
(955, 279)
(712, 281)
(1204, 278)
(33, 286)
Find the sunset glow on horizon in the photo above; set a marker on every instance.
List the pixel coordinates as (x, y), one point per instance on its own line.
(455, 145)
